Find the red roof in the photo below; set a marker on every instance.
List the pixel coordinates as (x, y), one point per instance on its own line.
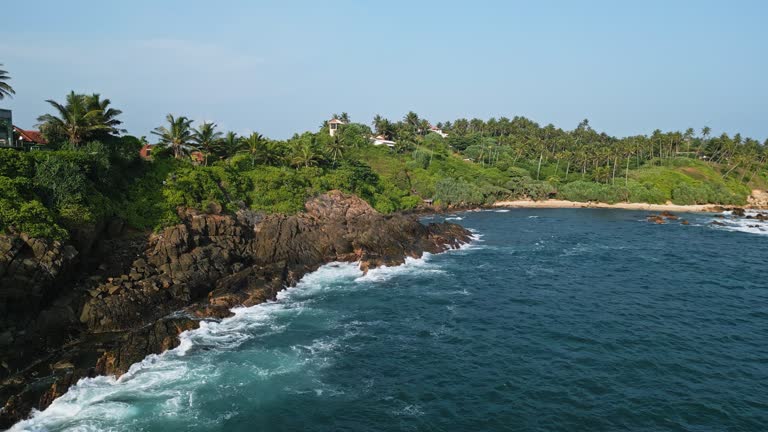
(30, 136)
(146, 151)
(335, 121)
(197, 156)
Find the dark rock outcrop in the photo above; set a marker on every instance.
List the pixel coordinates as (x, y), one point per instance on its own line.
(197, 270)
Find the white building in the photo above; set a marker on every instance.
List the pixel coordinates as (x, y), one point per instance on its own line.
(438, 131)
(382, 140)
(333, 125)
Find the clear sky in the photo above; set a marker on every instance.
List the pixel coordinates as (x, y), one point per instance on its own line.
(280, 67)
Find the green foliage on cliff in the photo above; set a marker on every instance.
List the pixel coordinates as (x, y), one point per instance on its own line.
(48, 193)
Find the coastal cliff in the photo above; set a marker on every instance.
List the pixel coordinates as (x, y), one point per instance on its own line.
(65, 320)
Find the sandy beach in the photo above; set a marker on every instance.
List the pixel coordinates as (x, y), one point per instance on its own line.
(553, 203)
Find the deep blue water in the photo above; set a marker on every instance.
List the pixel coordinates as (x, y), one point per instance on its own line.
(570, 320)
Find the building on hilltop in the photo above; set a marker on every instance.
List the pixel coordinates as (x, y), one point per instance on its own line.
(382, 140)
(333, 125)
(438, 131)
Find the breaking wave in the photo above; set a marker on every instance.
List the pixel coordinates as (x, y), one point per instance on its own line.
(170, 381)
(743, 224)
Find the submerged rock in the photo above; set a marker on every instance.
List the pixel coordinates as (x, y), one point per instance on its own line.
(667, 215)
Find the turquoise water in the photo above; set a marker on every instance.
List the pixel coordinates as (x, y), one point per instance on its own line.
(573, 320)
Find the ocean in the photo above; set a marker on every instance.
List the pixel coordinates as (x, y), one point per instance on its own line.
(567, 320)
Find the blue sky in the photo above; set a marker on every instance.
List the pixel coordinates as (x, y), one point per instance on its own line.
(280, 67)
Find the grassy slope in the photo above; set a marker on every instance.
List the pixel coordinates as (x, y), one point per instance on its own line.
(689, 172)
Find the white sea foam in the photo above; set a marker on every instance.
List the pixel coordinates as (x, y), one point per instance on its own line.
(750, 226)
(96, 403)
(411, 266)
(102, 402)
(477, 239)
(409, 411)
(458, 218)
(501, 211)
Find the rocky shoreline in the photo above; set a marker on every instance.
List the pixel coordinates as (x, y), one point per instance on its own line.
(105, 301)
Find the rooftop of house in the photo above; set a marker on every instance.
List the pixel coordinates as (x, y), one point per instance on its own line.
(30, 135)
(197, 156)
(335, 121)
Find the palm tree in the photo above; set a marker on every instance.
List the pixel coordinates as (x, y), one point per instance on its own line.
(5, 88)
(383, 126)
(256, 147)
(411, 121)
(705, 131)
(423, 126)
(336, 148)
(305, 155)
(177, 136)
(77, 119)
(108, 116)
(230, 144)
(206, 137)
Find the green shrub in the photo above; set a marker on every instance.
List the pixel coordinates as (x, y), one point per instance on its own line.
(421, 159)
(281, 190)
(14, 163)
(458, 192)
(207, 188)
(522, 186)
(409, 202)
(60, 181)
(517, 172)
(21, 211)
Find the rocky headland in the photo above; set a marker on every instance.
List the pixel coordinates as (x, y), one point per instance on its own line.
(110, 297)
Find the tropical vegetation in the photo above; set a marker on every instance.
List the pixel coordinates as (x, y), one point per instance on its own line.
(92, 170)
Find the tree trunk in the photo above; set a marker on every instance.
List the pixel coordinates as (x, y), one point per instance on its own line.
(626, 173)
(729, 171)
(759, 166)
(541, 156)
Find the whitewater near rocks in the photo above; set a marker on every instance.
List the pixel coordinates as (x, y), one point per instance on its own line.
(200, 269)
